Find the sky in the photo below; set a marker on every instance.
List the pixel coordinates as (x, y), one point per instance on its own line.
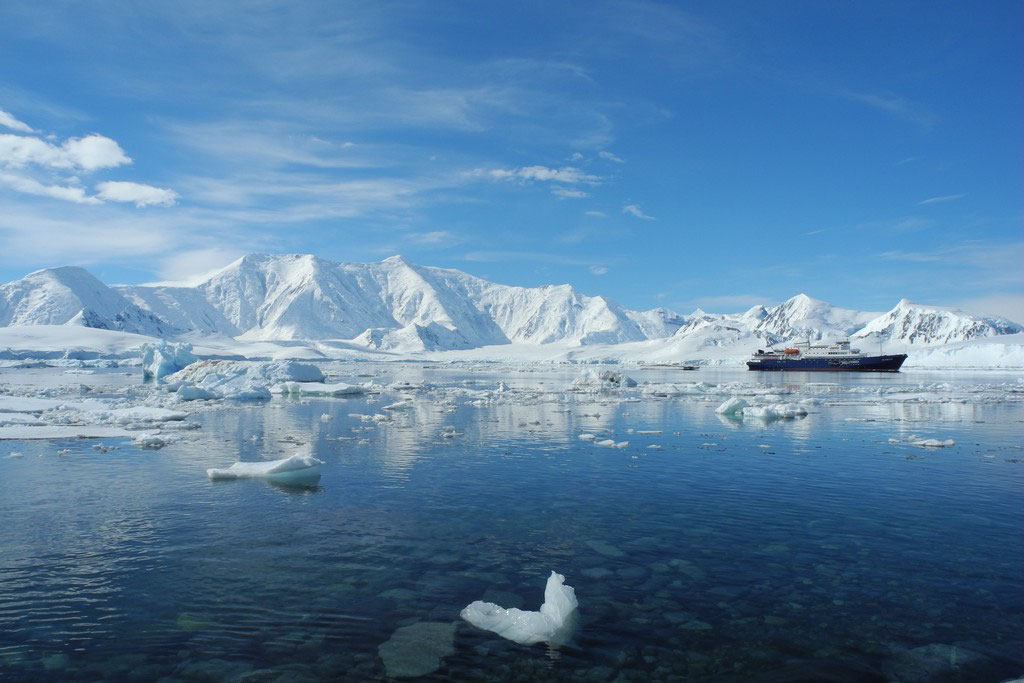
(707, 154)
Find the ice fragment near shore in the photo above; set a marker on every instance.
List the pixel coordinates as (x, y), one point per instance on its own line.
(301, 467)
(737, 407)
(732, 406)
(605, 379)
(318, 389)
(164, 358)
(549, 624)
(915, 440)
(240, 379)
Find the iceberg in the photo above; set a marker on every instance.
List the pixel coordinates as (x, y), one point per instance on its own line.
(215, 379)
(732, 406)
(299, 468)
(165, 358)
(551, 624)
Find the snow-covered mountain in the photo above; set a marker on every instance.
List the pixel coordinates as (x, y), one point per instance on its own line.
(390, 304)
(396, 305)
(802, 317)
(72, 296)
(915, 324)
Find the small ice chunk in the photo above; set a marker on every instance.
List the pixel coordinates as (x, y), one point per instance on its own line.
(318, 389)
(732, 406)
(775, 411)
(587, 437)
(603, 380)
(151, 441)
(915, 440)
(297, 468)
(528, 627)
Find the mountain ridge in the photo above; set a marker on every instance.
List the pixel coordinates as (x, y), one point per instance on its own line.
(394, 304)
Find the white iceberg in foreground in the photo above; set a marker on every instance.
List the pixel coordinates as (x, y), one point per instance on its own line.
(527, 628)
(165, 358)
(301, 467)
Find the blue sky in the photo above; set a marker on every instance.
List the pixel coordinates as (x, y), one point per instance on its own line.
(712, 154)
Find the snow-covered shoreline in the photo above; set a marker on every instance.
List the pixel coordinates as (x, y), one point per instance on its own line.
(59, 344)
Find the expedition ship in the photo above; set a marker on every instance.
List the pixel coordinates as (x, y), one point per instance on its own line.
(835, 356)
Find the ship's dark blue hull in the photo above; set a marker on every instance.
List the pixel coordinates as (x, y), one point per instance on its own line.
(855, 363)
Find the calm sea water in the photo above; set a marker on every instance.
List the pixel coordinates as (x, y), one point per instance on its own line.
(807, 549)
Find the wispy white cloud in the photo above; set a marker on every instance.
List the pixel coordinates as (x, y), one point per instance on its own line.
(608, 156)
(569, 193)
(595, 214)
(62, 236)
(26, 185)
(566, 174)
(137, 193)
(942, 199)
(192, 266)
(894, 105)
(634, 210)
(996, 264)
(8, 121)
(599, 270)
(910, 224)
(432, 237)
(1003, 305)
(534, 256)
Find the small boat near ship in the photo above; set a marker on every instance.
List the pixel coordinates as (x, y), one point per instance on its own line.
(835, 356)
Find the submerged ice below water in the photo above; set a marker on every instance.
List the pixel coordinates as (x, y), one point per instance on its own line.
(708, 547)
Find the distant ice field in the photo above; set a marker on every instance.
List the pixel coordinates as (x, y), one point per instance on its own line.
(700, 545)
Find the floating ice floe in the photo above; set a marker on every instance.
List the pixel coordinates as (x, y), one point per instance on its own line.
(552, 623)
(915, 440)
(736, 407)
(152, 441)
(321, 389)
(593, 380)
(404, 404)
(239, 379)
(731, 407)
(611, 443)
(775, 411)
(587, 437)
(63, 432)
(164, 358)
(301, 467)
